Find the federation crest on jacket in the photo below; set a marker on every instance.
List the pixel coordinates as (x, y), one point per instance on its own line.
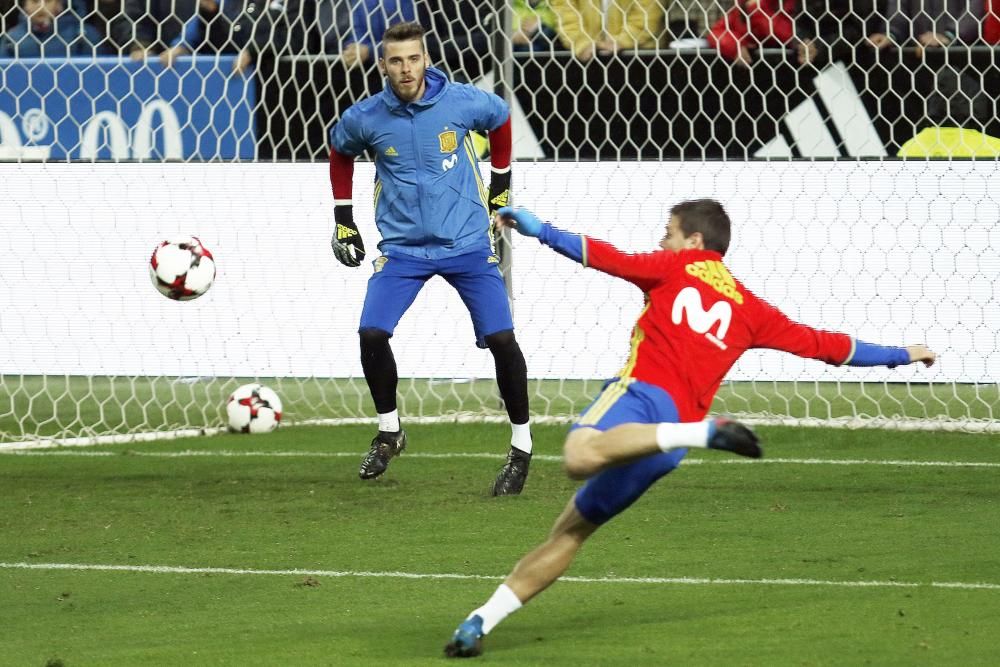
(448, 141)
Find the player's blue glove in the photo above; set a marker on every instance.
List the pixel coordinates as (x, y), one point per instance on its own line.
(525, 222)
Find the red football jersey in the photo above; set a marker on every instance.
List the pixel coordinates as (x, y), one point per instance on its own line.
(697, 322)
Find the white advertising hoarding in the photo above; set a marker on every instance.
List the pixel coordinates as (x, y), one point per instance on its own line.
(892, 251)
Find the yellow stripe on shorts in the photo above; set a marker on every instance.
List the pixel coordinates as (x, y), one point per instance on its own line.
(607, 399)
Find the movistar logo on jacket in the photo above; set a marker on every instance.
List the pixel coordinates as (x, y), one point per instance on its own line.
(425, 209)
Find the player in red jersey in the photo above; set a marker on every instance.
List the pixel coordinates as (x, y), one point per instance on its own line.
(697, 322)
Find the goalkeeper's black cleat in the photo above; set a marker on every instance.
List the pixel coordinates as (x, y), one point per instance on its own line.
(467, 642)
(385, 445)
(510, 480)
(732, 436)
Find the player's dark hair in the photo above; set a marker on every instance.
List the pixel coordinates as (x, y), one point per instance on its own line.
(708, 217)
(403, 32)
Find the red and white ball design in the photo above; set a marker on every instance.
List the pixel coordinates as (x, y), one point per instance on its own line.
(253, 408)
(182, 269)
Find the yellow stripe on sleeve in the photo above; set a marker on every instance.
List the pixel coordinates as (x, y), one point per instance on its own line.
(470, 151)
(850, 354)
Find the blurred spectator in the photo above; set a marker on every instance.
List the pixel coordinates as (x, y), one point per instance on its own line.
(832, 29)
(955, 95)
(300, 27)
(370, 18)
(690, 19)
(290, 27)
(991, 24)
(332, 24)
(458, 32)
(158, 23)
(219, 27)
(752, 25)
(8, 14)
(114, 19)
(460, 35)
(535, 25)
(46, 29)
(589, 28)
(930, 23)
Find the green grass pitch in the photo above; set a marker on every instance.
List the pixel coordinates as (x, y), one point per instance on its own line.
(769, 547)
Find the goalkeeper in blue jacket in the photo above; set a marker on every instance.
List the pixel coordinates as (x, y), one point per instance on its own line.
(434, 214)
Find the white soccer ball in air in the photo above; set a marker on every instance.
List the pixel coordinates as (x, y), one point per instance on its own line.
(253, 408)
(182, 269)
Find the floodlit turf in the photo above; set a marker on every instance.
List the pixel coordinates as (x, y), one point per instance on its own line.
(716, 518)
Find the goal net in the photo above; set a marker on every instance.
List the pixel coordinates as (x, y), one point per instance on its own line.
(861, 182)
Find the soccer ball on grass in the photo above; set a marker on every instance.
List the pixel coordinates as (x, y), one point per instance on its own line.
(253, 408)
(182, 269)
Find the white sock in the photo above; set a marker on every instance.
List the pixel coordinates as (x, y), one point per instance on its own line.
(690, 434)
(520, 437)
(502, 604)
(389, 421)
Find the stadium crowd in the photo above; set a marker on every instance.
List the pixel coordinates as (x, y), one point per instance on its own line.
(352, 28)
(939, 58)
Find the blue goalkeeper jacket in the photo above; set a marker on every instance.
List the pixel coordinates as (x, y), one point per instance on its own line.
(430, 200)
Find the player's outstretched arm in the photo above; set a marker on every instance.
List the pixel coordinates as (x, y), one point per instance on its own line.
(921, 353)
(870, 354)
(776, 331)
(527, 223)
(643, 270)
(521, 219)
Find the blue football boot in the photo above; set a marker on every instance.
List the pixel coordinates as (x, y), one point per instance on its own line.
(467, 642)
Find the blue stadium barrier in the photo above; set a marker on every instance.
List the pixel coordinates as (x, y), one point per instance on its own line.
(116, 109)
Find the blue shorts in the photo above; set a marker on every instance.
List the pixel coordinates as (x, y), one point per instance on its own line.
(611, 491)
(476, 276)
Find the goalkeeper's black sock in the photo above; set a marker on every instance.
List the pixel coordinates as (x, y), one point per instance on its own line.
(380, 369)
(512, 374)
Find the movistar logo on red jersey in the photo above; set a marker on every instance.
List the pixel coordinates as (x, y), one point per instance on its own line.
(717, 276)
(699, 319)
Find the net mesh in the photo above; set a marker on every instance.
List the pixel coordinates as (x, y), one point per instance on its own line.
(860, 173)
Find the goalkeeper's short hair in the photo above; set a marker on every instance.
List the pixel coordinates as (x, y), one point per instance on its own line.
(708, 217)
(404, 32)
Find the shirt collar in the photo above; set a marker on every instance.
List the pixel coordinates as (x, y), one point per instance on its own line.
(435, 82)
